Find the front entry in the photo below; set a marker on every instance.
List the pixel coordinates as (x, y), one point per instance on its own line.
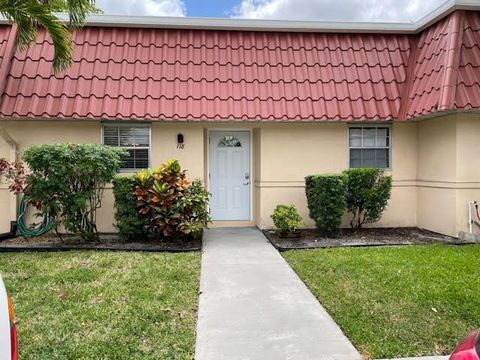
(230, 178)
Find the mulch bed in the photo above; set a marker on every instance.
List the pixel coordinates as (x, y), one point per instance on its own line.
(311, 239)
(110, 242)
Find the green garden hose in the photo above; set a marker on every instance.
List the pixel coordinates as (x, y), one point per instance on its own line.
(29, 232)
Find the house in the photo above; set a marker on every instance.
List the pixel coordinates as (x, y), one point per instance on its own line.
(252, 107)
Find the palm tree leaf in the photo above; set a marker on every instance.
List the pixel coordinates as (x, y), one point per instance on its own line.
(29, 14)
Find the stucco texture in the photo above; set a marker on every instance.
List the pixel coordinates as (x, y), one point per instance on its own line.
(434, 164)
(164, 147)
(448, 172)
(290, 152)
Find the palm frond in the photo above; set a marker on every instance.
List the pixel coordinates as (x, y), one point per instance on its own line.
(29, 14)
(78, 11)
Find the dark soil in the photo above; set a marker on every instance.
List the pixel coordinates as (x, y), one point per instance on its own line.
(311, 239)
(107, 242)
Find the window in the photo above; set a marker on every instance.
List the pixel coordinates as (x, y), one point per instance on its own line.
(369, 146)
(230, 141)
(134, 139)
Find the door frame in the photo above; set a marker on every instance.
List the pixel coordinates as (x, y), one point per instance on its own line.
(250, 133)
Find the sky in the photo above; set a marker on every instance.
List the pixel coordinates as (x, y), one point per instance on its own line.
(321, 10)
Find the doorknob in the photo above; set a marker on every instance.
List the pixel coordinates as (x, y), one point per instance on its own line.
(247, 183)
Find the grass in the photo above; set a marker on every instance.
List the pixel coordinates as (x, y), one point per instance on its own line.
(99, 305)
(397, 301)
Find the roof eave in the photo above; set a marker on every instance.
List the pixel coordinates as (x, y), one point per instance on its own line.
(248, 24)
(279, 25)
(444, 10)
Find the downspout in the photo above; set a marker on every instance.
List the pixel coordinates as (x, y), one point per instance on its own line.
(4, 71)
(470, 216)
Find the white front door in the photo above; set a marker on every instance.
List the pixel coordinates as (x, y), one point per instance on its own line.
(230, 178)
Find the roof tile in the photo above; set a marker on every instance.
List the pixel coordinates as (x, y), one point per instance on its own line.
(161, 74)
(468, 82)
(199, 75)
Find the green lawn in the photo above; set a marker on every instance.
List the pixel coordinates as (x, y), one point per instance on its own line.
(100, 305)
(397, 301)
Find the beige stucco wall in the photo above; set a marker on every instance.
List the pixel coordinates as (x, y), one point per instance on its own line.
(402, 207)
(164, 147)
(448, 171)
(434, 164)
(436, 169)
(468, 166)
(257, 201)
(26, 133)
(5, 209)
(289, 152)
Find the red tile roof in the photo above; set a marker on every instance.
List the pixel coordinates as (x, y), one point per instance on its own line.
(166, 74)
(4, 34)
(428, 69)
(446, 71)
(468, 82)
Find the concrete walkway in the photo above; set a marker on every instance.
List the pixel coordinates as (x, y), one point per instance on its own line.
(253, 305)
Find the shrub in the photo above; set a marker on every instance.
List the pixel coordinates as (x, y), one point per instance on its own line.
(326, 201)
(368, 192)
(195, 209)
(14, 174)
(131, 227)
(286, 219)
(67, 181)
(170, 204)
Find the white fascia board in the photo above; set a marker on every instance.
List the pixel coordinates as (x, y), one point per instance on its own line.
(444, 10)
(248, 24)
(233, 24)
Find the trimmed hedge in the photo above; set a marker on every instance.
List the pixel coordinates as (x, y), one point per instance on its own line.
(326, 201)
(131, 227)
(367, 195)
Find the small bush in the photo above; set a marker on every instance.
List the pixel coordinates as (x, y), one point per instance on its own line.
(131, 227)
(286, 219)
(195, 209)
(171, 204)
(14, 174)
(67, 182)
(326, 201)
(368, 192)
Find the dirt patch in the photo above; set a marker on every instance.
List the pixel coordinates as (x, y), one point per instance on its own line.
(107, 242)
(311, 239)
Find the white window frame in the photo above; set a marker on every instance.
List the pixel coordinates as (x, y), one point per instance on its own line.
(376, 126)
(130, 125)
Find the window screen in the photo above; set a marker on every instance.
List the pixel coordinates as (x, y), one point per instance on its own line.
(134, 139)
(369, 147)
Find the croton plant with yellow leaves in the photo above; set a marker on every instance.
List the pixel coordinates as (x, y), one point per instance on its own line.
(171, 205)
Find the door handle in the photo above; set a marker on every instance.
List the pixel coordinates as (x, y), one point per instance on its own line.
(246, 183)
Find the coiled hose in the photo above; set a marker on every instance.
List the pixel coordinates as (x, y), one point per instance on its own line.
(29, 232)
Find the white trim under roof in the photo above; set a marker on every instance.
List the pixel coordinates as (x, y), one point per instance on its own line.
(246, 24)
(443, 10)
